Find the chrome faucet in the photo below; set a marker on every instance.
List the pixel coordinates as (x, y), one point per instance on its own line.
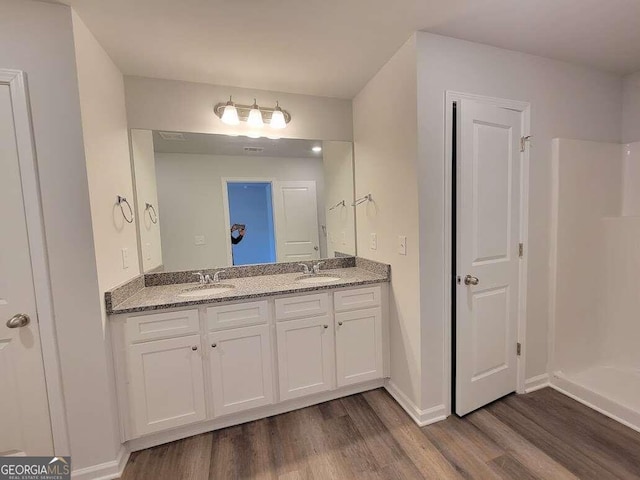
(216, 276)
(305, 268)
(316, 267)
(201, 278)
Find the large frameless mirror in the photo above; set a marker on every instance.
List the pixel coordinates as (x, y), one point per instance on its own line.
(206, 201)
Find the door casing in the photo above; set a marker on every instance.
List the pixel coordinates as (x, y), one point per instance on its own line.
(524, 108)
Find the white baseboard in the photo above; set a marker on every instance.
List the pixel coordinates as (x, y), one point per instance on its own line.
(621, 414)
(104, 471)
(419, 416)
(536, 383)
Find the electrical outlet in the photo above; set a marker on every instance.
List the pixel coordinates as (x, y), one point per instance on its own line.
(344, 238)
(125, 258)
(199, 240)
(402, 244)
(148, 248)
(373, 242)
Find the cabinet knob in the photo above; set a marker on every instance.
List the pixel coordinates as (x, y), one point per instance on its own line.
(214, 345)
(194, 348)
(340, 324)
(326, 326)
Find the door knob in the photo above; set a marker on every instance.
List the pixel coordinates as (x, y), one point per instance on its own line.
(18, 320)
(470, 280)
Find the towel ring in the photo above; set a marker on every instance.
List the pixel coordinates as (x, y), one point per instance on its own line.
(153, 216)
(341, 203)
(361, 200)
(120, 201)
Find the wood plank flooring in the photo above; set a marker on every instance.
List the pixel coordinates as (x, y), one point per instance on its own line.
(541, 435)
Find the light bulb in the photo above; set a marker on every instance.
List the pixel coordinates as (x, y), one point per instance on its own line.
(277, 118)
(317, 149)
(230, 114)
(255, 116)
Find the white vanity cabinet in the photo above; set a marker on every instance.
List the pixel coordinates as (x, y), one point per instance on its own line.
(359, 335)
(240, 358)
(186, 371)
(306, 362)
(358, 346)
(165, 376)
(305, 356)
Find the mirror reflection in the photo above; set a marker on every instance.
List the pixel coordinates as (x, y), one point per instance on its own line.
(207, 201)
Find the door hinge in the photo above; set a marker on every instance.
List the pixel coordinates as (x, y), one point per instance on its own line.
(521, 250)
(518, 348)
(523, 142)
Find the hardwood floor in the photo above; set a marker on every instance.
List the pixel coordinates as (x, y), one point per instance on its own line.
(541, 435)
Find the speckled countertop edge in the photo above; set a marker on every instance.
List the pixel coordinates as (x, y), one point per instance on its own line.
(166, 296)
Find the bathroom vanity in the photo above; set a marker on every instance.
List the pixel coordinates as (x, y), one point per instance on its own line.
(246, 347)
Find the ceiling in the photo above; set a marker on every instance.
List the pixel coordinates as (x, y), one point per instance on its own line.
(333, 47)
(211, 144)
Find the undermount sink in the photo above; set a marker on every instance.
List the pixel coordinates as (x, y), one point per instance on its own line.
(206, 290)
(318, 278)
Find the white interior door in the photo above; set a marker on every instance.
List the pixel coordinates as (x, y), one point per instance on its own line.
(296, 219)
(24, 413)
(488, 229)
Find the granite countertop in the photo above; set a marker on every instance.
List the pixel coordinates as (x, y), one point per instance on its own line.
(166, 296)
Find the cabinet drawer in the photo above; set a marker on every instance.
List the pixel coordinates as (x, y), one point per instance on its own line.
(302, 306)
(357, 299)
(155, 326)
(238, 315)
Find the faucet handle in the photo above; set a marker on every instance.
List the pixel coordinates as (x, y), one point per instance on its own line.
(316, 267)
(305, 268)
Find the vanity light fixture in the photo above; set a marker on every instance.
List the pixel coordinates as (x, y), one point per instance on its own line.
(316, 149)
(277, 118)
(255, 116)
(230, 113)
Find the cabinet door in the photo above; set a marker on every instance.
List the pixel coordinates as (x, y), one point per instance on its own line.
(241, 369)
(359, 346)
(166, 384)
(305, 356)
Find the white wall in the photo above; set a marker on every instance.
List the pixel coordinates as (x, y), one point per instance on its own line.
(337, 158)
(155, 104)
(567, 101)
(384, 119)
(146, 188)
(106, 145)
(190, 201)
(587, 187)
(37, 38)
(631, 108)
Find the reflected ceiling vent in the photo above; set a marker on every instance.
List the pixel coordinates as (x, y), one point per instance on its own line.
(173, 136)
(253, 149)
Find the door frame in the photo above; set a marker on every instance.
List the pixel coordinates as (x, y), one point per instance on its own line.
(227, 215)
(17, 82)
(524, 108)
